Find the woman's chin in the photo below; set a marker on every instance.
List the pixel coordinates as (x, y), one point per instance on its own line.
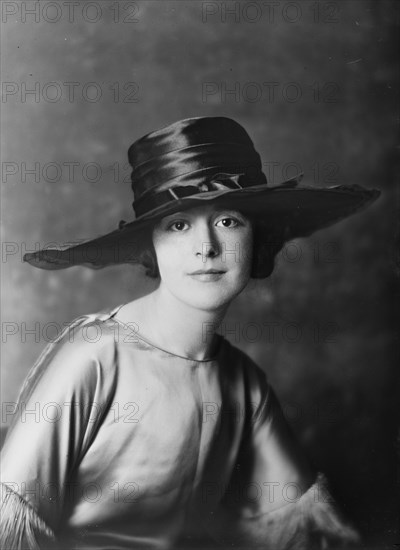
(211, 298)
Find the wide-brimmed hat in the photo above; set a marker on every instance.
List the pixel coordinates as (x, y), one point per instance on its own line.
(198, 160)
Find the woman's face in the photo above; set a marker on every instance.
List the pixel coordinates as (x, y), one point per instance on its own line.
(204, 238)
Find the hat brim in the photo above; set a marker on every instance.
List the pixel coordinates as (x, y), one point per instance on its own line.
(299, 211)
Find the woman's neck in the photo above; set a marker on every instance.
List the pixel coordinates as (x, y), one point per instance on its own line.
(173, 325)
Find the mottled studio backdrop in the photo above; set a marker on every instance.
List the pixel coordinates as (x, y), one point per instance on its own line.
(315, 85)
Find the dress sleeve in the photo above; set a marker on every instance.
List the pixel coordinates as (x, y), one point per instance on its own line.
(275, 500)
(53, 425)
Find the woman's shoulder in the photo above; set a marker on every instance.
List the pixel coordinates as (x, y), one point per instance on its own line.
(241, 358)
(86, 335)
(82, 354)
(253, 376)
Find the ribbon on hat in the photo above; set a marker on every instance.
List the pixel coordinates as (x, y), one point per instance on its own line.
(218, 182)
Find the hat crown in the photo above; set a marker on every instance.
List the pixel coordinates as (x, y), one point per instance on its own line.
(185, 157)
(189, 132)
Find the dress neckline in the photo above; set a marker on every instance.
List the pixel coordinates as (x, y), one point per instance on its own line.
(209, 360)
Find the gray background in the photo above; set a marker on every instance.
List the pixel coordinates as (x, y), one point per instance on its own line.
(333, 114)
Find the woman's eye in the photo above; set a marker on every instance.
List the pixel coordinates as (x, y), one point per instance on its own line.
(228, 222)
(177, 225)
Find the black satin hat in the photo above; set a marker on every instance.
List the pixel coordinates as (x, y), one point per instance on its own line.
(205, 159)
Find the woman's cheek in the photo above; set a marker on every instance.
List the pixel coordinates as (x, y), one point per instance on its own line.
(169, 261)
(240, 250)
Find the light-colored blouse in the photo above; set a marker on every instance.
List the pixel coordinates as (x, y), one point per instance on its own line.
(117, 444)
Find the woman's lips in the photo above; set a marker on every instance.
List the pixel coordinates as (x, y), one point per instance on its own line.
(207, 276)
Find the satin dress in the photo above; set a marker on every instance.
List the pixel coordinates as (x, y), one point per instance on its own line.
(118, 444)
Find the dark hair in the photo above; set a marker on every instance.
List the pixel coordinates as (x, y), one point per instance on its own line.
(147, 255)
(267, 242)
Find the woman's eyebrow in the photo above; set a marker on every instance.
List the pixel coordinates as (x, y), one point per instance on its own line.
(219, 211)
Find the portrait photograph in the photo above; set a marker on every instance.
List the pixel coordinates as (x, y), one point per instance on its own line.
(200, 275)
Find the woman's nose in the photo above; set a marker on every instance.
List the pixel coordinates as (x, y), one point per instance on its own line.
(206, 243)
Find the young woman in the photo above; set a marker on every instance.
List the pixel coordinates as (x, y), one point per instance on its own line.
(141, 427)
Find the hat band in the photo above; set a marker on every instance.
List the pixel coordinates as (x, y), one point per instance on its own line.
(218, 182)
(157, 172)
